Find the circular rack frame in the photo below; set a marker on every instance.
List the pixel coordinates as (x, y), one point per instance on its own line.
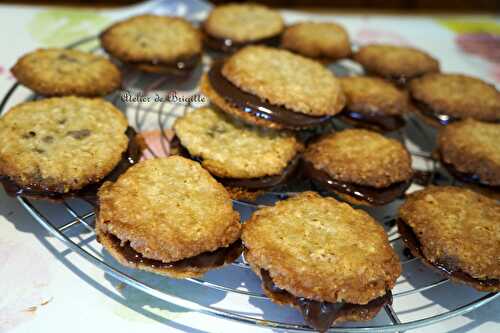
(82, 219)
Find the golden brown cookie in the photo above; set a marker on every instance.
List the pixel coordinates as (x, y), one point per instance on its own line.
(232, 26)
(57, 146)
(238, 155)
(396, 63)
(168, 216)
(455, 230)
(274, 88)
(62, 72)
(323, 41)
(444, 98)
(470, 150)
(317, 253)
(153, 43)
(374, 103)
(362, 166)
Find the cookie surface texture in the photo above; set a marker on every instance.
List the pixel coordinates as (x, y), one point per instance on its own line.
(232, 149)
(243, 22)
(62, 72)
(317, 40)
(62, 143)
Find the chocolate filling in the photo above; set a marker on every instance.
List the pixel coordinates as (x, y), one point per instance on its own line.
(372, 195)
(89, 192)
(256, 107)
(382, 122)
(249, 183)
(321, 315)
(426, 110)
(228, 45)
(180, 66)
(468, 177)
(447, 266)
(203, 260)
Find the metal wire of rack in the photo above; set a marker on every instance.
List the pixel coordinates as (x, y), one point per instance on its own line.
(164, 113)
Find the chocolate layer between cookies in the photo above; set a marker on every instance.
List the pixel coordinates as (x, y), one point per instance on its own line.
(380, 122)
(227, 45)
(255, 106)
(89, 192)
(372, 195)
(181, 66)
(468, 177)
(427, 111)
(321, 315)
(205, 260)
(446, 265)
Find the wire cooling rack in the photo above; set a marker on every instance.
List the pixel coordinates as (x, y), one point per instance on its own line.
(418, 293)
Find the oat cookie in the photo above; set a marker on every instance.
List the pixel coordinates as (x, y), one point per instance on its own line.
(374, 103)
(231, 149)
(470, 149)
(62, 144)
(455, 230)
(274, 88)
(444, 98)
(232, 26)
(364, 167)
(324, 41)
(168, 216)
(158, 44)
(331, 257)
(62, 72)
(397, 63)
(244, 158)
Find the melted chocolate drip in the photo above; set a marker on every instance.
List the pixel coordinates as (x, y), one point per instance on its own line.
(89, 192)
(249, 183)
(445, 265)
(379, 121)
(373, 195)
(321, 315)
(204, 260)
(228, 45)
(254, 106)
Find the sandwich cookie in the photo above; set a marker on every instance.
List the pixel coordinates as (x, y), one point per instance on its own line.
(244, 158)
(443, 98)
(232, 26)
(373, 103)
(331, 261)
(155, 44)
(360, 166)
(470, 151)
(64, 146)
(274, 88)
(62, 72)
(398, 64)
(456, 231)
(168, 216)
(323, 41)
